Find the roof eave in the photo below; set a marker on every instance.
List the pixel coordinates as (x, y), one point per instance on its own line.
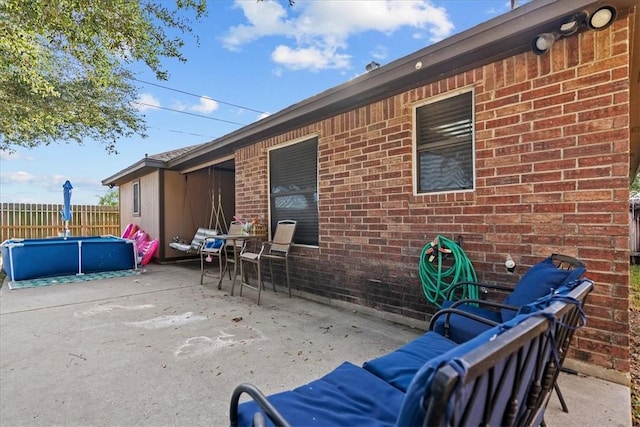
(498, 38)
(134, 171)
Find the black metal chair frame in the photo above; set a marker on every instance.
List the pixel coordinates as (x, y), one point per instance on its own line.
(549, 357)
(561, 261)
(524, 361)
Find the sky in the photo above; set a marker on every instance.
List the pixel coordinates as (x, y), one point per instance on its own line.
(250, 59)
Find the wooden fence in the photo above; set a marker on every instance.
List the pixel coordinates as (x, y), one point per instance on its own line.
(634, 231)
(32, 221)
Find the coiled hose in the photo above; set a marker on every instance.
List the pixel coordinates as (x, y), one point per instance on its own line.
(438, 280)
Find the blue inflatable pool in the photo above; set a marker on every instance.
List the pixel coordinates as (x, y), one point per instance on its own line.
(26, 259)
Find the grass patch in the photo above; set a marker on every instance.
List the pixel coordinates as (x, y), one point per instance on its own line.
(634, 280)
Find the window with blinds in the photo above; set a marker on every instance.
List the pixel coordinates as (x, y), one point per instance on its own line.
(444, 144)
(293, 183)
(136, 198)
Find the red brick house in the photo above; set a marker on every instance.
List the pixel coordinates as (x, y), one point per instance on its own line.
(476, 136)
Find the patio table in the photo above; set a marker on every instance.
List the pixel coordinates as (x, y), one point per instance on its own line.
(238, 242)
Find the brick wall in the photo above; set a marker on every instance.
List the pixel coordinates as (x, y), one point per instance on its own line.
(552, 161)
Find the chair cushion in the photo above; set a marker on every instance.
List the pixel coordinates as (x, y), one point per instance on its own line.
(249, 256)
(180, 246)
(462, 328)
(474, 394)
(213, 245)
(399, 367)
(412, 412)
(537, 282)
(347, 396)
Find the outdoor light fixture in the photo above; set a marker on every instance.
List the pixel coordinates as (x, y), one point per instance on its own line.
(602, 18)
(598, 20)
(542, 43)
(372, 66)
(573, 24)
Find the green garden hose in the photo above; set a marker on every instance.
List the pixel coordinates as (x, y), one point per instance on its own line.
(436, 279)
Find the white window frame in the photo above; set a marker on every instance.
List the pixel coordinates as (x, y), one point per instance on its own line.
(416, 143)
(136, 198)
(287, 144)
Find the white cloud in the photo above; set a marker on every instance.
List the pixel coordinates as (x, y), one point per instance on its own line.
(341, 19)
(205, 106)
(309, 58)
(380, 53)
(178, 105)
(14, 156)
(146, 101)
(265, 18)
(24, 187)
(320, 30)
(18, 177)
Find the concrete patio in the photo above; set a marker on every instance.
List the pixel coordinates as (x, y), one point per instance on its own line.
(159, 349)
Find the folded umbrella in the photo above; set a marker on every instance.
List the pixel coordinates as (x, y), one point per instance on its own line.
(66, 208)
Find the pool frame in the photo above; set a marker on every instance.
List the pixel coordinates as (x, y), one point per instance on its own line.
(63, 256)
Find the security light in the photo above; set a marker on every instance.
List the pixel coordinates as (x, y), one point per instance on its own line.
(598, 20)
(573, 24)
(542, 43)
(602, 18)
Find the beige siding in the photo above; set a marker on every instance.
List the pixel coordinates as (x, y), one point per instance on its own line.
(126, 205)
(189, 200)
(174, 209)
(149, 218)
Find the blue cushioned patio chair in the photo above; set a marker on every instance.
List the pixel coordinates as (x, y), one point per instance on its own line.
(479, 315)
(218, 248)
(503, 376)
(538, 281)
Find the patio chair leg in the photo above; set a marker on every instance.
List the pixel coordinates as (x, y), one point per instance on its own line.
(241, 276)
(233, 283)
(286, 267)
(201, 269)
(562, 402)
(235, 271)
(273, 280)
(260, 284)
(221, 270)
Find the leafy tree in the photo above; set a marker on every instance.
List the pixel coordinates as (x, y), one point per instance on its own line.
(111, 198)
(64, 72)
(635, 185)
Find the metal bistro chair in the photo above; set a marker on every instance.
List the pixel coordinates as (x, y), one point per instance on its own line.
(232, 249)
(276, 250)
(214, 247)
